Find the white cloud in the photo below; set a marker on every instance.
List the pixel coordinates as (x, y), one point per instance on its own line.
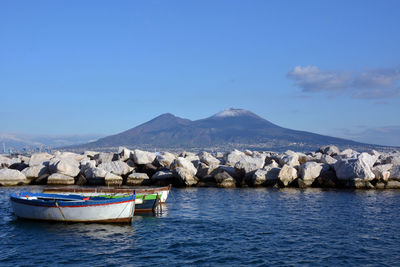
(377, 93)
(371, 84)
(386, 135)
(312, 79)
(372, 79)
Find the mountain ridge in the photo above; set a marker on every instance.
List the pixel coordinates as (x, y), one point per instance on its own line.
(231, 128)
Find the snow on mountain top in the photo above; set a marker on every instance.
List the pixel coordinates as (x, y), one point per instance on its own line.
(232, 112)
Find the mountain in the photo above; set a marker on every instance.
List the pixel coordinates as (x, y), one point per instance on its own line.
(32, 142)
(232, 128)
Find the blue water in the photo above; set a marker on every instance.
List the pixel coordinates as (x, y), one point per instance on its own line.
(209, 226)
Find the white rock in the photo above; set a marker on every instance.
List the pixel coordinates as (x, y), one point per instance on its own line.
(35, 171)
(392, 184)
(24, 159)
(69, 156)
(192, 157)
(90, 154)
(139, 175)
(287, 175)
(368, 158)
(209, 159)
(116, 167)
(39, 159)
(248, 152)
(112, 179)
(86, 164)
(94, 172)
(233, 157)
(289, 158)
(185, 176)
(10, 177)
(309, 171)
(143, 157)
(224, 180)
(103, 157)
(60, 179)
(248, 164)
(382, 172)
(330, 150)
(266, 176)
(124, 153)
(375, 153)
(219, 155)
(165, 159)
(5, 162)
(273, 164)
(348, 153)
(203, 170)
(184, 163)
(303, 158)
(230, 170)
(395, 172)
(350, 169)
(162, 175)
(393, 159)
(137, 178)
(316, 155)
(68, 167)
(327, 159)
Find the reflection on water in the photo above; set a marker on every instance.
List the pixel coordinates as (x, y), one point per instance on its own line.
(210, 226)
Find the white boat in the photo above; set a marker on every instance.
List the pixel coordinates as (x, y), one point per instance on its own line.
(72, 208)
(162, 192)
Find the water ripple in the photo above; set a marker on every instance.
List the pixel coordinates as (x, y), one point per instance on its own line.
(208, 226)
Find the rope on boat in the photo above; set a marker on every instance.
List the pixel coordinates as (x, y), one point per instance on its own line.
(62, 214)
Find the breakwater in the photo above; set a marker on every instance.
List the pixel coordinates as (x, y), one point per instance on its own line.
(326, 167)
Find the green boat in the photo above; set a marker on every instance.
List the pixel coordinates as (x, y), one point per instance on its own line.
(144, 203)
(147, 199)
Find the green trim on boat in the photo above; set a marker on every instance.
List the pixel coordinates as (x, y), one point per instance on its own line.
(140, 196)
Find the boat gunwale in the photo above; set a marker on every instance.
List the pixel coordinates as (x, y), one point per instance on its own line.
(139, 191)
(73, 203)
(106, 190)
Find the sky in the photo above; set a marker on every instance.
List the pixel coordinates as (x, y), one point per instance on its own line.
(102, 67)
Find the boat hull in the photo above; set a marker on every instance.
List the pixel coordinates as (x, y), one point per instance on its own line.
(98, 211)
(163, 192)
(143, 203)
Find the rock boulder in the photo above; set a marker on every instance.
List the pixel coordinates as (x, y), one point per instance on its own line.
(143, 157)
(185, 176)
(60, 179)
(111, 179)
(224, 180)
(309, 171)
(350, 169)
(233, 157)
(249, 164)
(330, 150)
(39, 159)
(116, 167)
(137, 178)
(35, 171)
(10, 177)
(165, 159)
(287, 175)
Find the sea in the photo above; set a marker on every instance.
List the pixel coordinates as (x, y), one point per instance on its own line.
(220, 227)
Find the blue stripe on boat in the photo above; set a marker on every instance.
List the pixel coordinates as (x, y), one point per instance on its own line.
(49, 200)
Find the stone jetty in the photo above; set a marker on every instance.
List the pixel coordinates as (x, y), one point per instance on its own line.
(326, 167)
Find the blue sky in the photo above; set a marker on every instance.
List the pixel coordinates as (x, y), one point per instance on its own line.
(79, 67)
